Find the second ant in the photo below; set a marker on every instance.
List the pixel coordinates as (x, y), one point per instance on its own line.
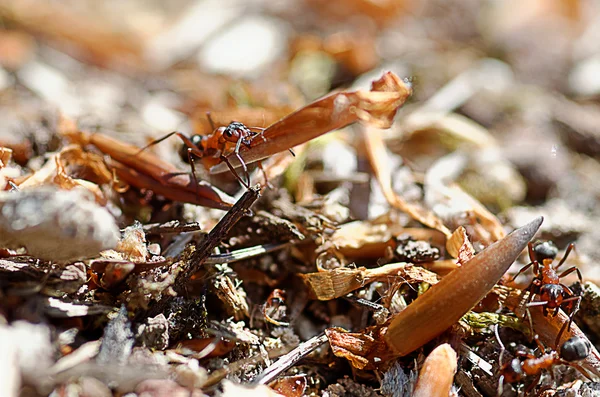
(546, 284)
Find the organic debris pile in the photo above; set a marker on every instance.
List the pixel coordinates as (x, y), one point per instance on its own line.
(337, 198)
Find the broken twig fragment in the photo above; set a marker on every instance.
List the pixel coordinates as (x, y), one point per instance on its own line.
(217, 234)
(335, 283)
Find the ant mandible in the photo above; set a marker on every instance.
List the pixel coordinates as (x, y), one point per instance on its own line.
(217, 145)
(527, 364)
(546, 283)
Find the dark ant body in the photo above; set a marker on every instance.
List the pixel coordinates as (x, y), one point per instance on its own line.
(546, 284)
(527, 364)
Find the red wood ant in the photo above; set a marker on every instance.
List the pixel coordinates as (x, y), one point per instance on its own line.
(215, 147)
(527, 364)
(546, 284)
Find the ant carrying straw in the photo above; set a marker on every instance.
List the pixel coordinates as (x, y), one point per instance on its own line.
(217, 145)
(546, 283)
(528, 364)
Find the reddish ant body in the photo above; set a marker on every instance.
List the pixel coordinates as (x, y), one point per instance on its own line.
(527, 364)
(216, 146)
(546, 282)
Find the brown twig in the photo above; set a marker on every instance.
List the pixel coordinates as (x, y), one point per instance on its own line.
(289, 359)
(216, 235)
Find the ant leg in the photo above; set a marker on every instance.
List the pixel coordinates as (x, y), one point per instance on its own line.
(573, 311)
(159, 140)
(234, 172)
(523, 269)
(187, 141)
(190, 157)
(533, 384)
(533, 304)
(564, 258)
(265, 175)
(260, 133)
(541, 347)
(569, 271)
(530, 321)
(292, 152)
(579, 368)
(236, 151)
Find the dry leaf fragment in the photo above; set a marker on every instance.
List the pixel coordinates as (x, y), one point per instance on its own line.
(146, 171)
(66, 168)
(376, 107)
(459, 246)
(363, 239)
(365, 350)
(437, 373)
(379, 161)
(290, 386)
(332, 284)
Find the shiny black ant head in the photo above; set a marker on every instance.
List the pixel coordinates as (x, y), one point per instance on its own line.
(236, 130)
(575, 349)
(545, 250)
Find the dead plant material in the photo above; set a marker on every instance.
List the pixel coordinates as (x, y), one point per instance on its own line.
(290, 386)
(365, 350)
(332, 284)
(72, 168)
(146, 171)
(379, 160)
(364, 239)
(457, 293)
(455, 206)
(437, 373)
(356, 51)
(290, 359)
(5, 156)
(459, 246)
(376, 107)
(216, 235)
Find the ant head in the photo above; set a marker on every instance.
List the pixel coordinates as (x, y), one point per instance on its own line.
(235, 130)
(545, 250)
(575, 349)
(553, 293)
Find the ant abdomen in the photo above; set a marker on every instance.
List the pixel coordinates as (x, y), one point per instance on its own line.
(575, 349)
(545, 250)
